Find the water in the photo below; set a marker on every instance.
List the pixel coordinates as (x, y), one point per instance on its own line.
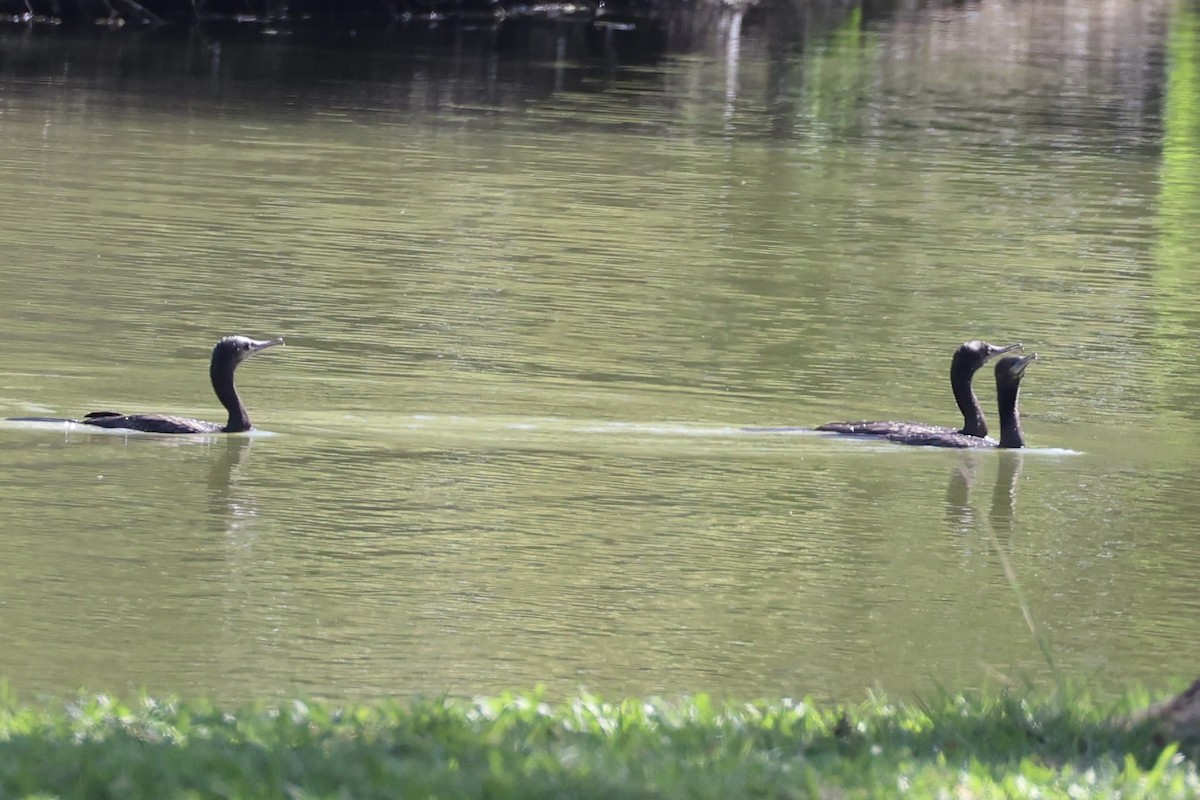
(534, 295)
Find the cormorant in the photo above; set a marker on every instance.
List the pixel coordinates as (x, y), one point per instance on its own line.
(1009, 371)
(967, 359)
(229, 352)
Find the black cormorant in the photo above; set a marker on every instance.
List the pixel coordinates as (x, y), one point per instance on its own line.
(967, 360)
(1009, 371)
(229, 352)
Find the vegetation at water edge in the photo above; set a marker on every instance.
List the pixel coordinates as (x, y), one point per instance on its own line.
(518, 746)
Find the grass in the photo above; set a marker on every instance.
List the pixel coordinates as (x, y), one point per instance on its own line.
(517, 746)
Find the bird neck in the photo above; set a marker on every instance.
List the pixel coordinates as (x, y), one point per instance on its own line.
(1011, 434)
(222, 383)
(968, 404)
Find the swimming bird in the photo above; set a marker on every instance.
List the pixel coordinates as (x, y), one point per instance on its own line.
(228, 353)
(967, 359)
(1009, 371)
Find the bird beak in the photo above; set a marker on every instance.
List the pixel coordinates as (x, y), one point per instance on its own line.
(263, 345)
(1019, 364)
(999, 351)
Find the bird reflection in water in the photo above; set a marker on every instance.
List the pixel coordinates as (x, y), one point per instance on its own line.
(959, 514)
(233, 508)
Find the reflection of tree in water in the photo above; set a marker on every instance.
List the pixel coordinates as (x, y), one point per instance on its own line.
(628, 30)
(959, 514)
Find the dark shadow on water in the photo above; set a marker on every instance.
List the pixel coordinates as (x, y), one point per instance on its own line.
(398, 17)
(439, 59)
(491, 68)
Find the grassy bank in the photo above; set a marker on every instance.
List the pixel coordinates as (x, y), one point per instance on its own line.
(519, 747)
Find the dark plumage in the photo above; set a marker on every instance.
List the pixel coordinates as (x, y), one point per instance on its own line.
(967, 360)
(1009, 371)
(229, 352)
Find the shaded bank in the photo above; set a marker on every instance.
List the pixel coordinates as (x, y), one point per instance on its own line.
(613, 32)
(373, 13)
(274, 42)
